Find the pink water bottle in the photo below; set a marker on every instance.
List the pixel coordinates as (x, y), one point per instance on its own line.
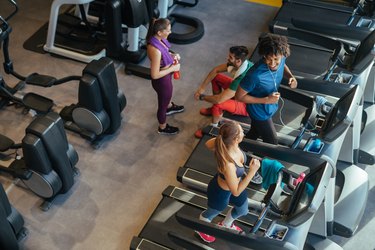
(299, 179)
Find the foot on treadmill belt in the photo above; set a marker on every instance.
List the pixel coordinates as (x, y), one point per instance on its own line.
(206, 111)
(233, 227)
(257, 179)
(205, 237)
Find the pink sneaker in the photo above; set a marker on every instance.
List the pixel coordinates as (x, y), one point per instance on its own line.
(205, 237)
(233, 227)
(206, 111)
(198, 134)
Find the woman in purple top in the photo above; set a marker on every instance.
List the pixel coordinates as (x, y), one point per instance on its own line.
(163, 64)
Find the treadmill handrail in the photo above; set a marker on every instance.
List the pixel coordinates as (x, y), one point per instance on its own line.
(322, 87)
(326, 5)
(323, 40)
(282, 153)
(335, 30)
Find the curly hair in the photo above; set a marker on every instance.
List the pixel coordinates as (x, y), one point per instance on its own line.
(271, 44)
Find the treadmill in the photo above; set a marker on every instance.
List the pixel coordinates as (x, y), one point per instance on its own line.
(364, 7)
(331, 23)
(172, 224)
(347, 67)
(311, 10)
(348, 188)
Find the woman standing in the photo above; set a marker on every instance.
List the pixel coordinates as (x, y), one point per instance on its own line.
(229, 184)
(163, 64)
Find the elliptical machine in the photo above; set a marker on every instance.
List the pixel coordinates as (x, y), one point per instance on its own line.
(47, 165)
(100, 102)
(12, 229)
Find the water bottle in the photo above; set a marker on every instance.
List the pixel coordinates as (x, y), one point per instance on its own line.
(176, 74)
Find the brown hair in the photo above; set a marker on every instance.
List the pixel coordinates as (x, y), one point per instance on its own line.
(155, 26)
(239, 52)
(228, 132)
(271, 44)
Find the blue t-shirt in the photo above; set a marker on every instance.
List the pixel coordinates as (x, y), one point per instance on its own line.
(260, 82)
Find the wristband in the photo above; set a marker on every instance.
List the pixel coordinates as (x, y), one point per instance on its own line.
(201, 97)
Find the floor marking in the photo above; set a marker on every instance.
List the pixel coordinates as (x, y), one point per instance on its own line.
(274, 3)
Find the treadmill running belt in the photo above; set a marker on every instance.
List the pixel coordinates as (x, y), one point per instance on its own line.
(163, 221)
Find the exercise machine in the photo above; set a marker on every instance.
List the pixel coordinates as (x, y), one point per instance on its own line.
(346, 68)
(352, 30)
(353, 17)
(47, 165)
(166, 8)
(163, 10)
(362, 7)
(106, 42)
(348, 185)
(12, 230)
(260, 225)
(100, 102)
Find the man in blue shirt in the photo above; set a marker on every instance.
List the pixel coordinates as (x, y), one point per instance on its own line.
(259, 88)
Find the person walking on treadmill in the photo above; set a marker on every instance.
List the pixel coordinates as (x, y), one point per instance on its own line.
(224, 87)
(259, 88)
(229, 184)
(163, 63)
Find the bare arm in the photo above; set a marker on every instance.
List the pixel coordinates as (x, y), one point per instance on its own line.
(155, 56)
(208, 79)
(288, 74)
(242, 96)
(210, 144)
(219, 98)
(237, 187)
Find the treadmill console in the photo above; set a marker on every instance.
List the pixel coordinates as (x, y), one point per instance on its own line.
(343, 78)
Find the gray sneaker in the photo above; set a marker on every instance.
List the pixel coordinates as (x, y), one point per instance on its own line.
(257, 179)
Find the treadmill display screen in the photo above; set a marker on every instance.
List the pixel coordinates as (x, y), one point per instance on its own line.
(306, 191)
(334, 122)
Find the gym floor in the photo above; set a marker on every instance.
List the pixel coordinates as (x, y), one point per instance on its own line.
(121, 183)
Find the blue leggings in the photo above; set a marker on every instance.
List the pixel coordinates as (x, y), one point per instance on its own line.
(218, 199)
(164, 88)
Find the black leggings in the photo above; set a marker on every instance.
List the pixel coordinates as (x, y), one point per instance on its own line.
(264, 129)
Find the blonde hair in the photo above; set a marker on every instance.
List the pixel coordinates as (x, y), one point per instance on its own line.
(228, 133)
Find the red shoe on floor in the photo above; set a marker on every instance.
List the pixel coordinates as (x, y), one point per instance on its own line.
(205, 237)
(233, 227)
(206, 111)
(198, 134)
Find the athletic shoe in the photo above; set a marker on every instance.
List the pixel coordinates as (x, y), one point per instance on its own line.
(198, 134)
(205, 237)
(206, 111)
(257, 179)
(175, 109)
(233, 227)
(168, 130)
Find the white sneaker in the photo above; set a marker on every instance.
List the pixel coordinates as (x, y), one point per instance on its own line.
(257, 179)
